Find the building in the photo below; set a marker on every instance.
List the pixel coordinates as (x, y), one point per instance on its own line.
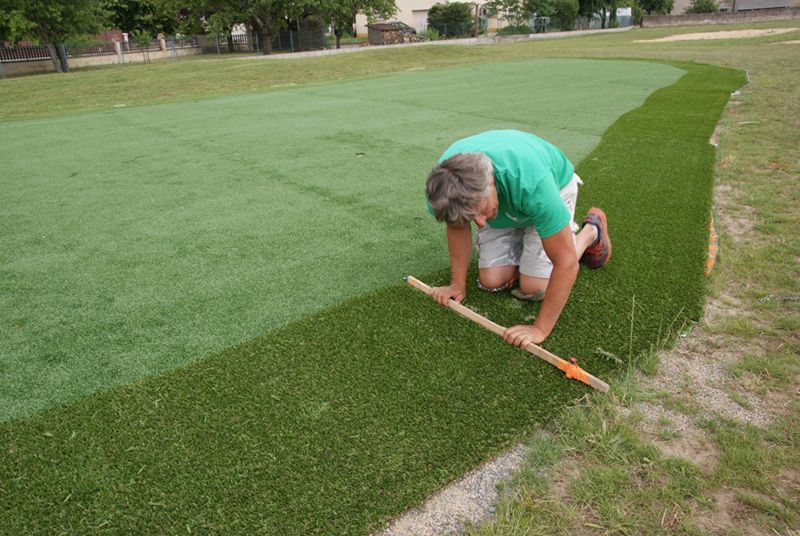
(733, 6)
(415, 14)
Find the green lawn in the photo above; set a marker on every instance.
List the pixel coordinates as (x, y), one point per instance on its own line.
(345, 416)
(140, 240)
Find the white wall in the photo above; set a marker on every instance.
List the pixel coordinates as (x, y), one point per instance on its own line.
(412, 12)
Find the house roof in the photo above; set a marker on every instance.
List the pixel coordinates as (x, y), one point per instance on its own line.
(749, 5)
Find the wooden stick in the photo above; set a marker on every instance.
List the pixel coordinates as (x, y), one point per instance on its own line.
(570, 369)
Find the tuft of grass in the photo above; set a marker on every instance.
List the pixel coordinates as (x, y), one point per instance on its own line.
(775, 370)
(747, 457)
(773, 509)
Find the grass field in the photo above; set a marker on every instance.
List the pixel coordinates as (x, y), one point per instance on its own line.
(346, 409)
(152, 239)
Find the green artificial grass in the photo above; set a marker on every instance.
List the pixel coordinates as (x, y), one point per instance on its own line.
(139, 240)
(333, 423)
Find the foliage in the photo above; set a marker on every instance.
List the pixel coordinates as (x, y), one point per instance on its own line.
(51, 22)
(342, 13)
(565, 12)
(514, 30)
(514, 12)
(451, 20)
(142, 38)
(636, 13)
(14, 26)
(221, 23)
(153, 16)
(702, 6)
(656, 7)
(431, 34)
(589, 8)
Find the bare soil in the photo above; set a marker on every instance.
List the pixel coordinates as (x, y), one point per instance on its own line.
(730, 34)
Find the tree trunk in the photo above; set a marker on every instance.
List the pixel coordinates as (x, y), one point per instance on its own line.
(266, 42)
(62, 57)
(337, 32)
(264, 35)
(51, 49)
(603, 19)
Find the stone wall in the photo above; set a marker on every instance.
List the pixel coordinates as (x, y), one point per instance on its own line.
(697, 19)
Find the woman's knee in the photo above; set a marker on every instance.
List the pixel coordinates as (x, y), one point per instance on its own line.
(532, 285)
(496, 276)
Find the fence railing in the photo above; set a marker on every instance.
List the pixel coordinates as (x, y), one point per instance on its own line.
(24, 53)
(100, 48)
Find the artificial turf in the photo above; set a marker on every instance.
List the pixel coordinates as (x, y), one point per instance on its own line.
(140, 239)
(333, 423)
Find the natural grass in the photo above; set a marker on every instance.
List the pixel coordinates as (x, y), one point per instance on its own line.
(774, 371)
(202, 76)
(335, 422)
(756, 275)
(615, 481)
(143, 239)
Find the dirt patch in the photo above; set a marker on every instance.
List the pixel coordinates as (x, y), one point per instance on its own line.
(696, 372)
(793, 42)
(736, 223)
(726, 514)
(731, 34)
(677, 436)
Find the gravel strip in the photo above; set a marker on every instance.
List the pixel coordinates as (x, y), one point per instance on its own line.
(469, 500)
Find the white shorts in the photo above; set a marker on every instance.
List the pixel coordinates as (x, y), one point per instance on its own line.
(523, 246)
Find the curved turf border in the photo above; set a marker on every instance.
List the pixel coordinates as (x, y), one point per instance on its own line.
(295, 434)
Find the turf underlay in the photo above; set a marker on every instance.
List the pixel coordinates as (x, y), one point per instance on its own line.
(333, 423)
(138, 240)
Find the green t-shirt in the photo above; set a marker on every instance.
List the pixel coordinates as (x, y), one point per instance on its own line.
(528, 175)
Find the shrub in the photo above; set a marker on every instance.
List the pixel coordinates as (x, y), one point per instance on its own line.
(431, 33)
(702, 6)
(451, 20)
(512, 30)
(656, 7)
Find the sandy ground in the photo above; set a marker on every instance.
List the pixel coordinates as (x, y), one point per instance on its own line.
(734, 34)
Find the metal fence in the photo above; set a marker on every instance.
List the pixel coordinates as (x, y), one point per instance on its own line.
(283, 41)
(23, 53)
(99, 48)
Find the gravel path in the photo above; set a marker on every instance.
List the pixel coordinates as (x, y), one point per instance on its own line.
(469, 500)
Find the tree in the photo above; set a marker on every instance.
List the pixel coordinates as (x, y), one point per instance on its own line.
(702, 6)
(565, 12)
(656, 7)
(453, 19)
(342, 13)
(14, 27)
(540, 9)
(151, 16)
(143, 38)
(590, 8)
(516, 13)
(53, 22)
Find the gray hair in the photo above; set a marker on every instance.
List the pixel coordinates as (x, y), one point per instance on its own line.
(456, 186)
